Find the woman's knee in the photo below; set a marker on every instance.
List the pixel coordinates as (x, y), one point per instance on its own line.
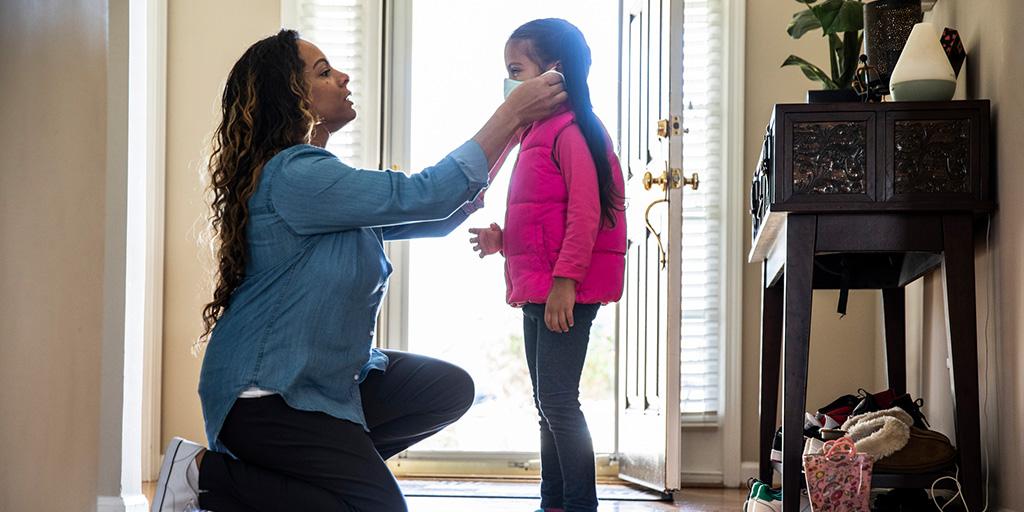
(462, 389)
(450, 388)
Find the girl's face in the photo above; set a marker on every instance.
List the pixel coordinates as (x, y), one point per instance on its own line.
(328, 88)
(518, 62)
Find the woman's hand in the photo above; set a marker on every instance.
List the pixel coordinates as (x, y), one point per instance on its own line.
(561, 300)
(537, 98)
(487, 240)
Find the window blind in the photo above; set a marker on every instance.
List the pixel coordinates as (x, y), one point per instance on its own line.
(703, 62)
(344, 31)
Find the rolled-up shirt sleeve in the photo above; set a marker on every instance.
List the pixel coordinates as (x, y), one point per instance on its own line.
(314, 192)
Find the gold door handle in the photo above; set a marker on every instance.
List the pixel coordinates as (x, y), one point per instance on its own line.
(693, 181)
(662, 254)
(676, 181)
(663, 181)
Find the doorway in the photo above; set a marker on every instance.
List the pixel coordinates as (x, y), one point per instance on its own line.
(456, 308)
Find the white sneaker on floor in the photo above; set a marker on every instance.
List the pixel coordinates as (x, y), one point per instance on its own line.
(760, 505)
(177, 490)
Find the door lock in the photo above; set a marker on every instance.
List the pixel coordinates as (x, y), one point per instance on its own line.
(665, 128)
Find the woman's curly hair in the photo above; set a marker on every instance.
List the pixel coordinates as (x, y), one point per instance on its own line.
(265, 108)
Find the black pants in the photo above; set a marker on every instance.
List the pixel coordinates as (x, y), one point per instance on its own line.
(299, 460)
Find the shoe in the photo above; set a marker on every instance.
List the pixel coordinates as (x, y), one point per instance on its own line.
(926, 451)
(880, 433)
(777, 447)
(762, 505)
(177, 490)
(888, 399)
(913, 408)
(763, 498)
(813, 446)
(840, 408)
(872, 402)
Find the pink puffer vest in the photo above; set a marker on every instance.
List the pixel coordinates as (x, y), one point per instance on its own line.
(535, 226)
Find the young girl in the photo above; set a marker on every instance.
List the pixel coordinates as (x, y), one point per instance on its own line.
(564, 242)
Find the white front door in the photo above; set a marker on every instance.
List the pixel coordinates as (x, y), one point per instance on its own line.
(651, 145)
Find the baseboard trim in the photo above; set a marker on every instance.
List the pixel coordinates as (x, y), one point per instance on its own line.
(129, 503)
(699, 478)
(749, 470)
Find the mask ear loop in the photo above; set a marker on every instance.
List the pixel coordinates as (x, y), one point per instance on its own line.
(555, 72)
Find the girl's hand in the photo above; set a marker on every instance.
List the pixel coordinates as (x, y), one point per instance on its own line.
(558, 310)
(487, 240)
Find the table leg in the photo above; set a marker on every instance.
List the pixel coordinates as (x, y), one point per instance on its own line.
(894, 304)
(771, 353)
(797, 334)
(961, 315)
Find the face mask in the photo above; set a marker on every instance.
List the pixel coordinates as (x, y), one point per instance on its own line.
(511, 84)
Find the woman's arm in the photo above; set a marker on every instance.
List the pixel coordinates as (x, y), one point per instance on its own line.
(315, 193)
(435, 228)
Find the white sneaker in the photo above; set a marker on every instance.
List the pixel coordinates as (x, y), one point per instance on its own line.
(177, 490)
(760, 505)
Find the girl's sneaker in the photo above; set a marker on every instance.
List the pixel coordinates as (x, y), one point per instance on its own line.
(177, 490)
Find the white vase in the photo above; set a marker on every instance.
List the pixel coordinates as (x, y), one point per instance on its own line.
(923, 72)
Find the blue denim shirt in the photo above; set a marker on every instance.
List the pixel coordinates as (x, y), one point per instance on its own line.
(302, 321)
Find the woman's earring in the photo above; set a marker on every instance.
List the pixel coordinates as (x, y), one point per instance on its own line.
(319, 120)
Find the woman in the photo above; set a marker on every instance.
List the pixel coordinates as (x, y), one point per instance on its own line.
(300, 411)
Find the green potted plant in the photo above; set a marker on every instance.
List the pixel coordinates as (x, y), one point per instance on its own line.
(841, 23)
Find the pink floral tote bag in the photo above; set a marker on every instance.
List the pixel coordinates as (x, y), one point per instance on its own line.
(838, 478)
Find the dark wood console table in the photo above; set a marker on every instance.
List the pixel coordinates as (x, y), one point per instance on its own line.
(868, 196)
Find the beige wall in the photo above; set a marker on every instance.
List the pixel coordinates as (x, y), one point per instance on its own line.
(52, 198)
(994, 70)
(201, 48)
(842, 351)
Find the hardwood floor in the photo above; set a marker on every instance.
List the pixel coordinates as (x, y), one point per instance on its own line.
(688, 500)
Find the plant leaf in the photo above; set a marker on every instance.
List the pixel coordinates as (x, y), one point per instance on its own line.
(850, 18)
(808, 2)
(851, 58)
(835, 48)
(838, 16)
(810, 71)
(802, 22)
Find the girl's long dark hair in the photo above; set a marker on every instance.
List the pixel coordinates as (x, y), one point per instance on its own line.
(554, 39)
(265, 108)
